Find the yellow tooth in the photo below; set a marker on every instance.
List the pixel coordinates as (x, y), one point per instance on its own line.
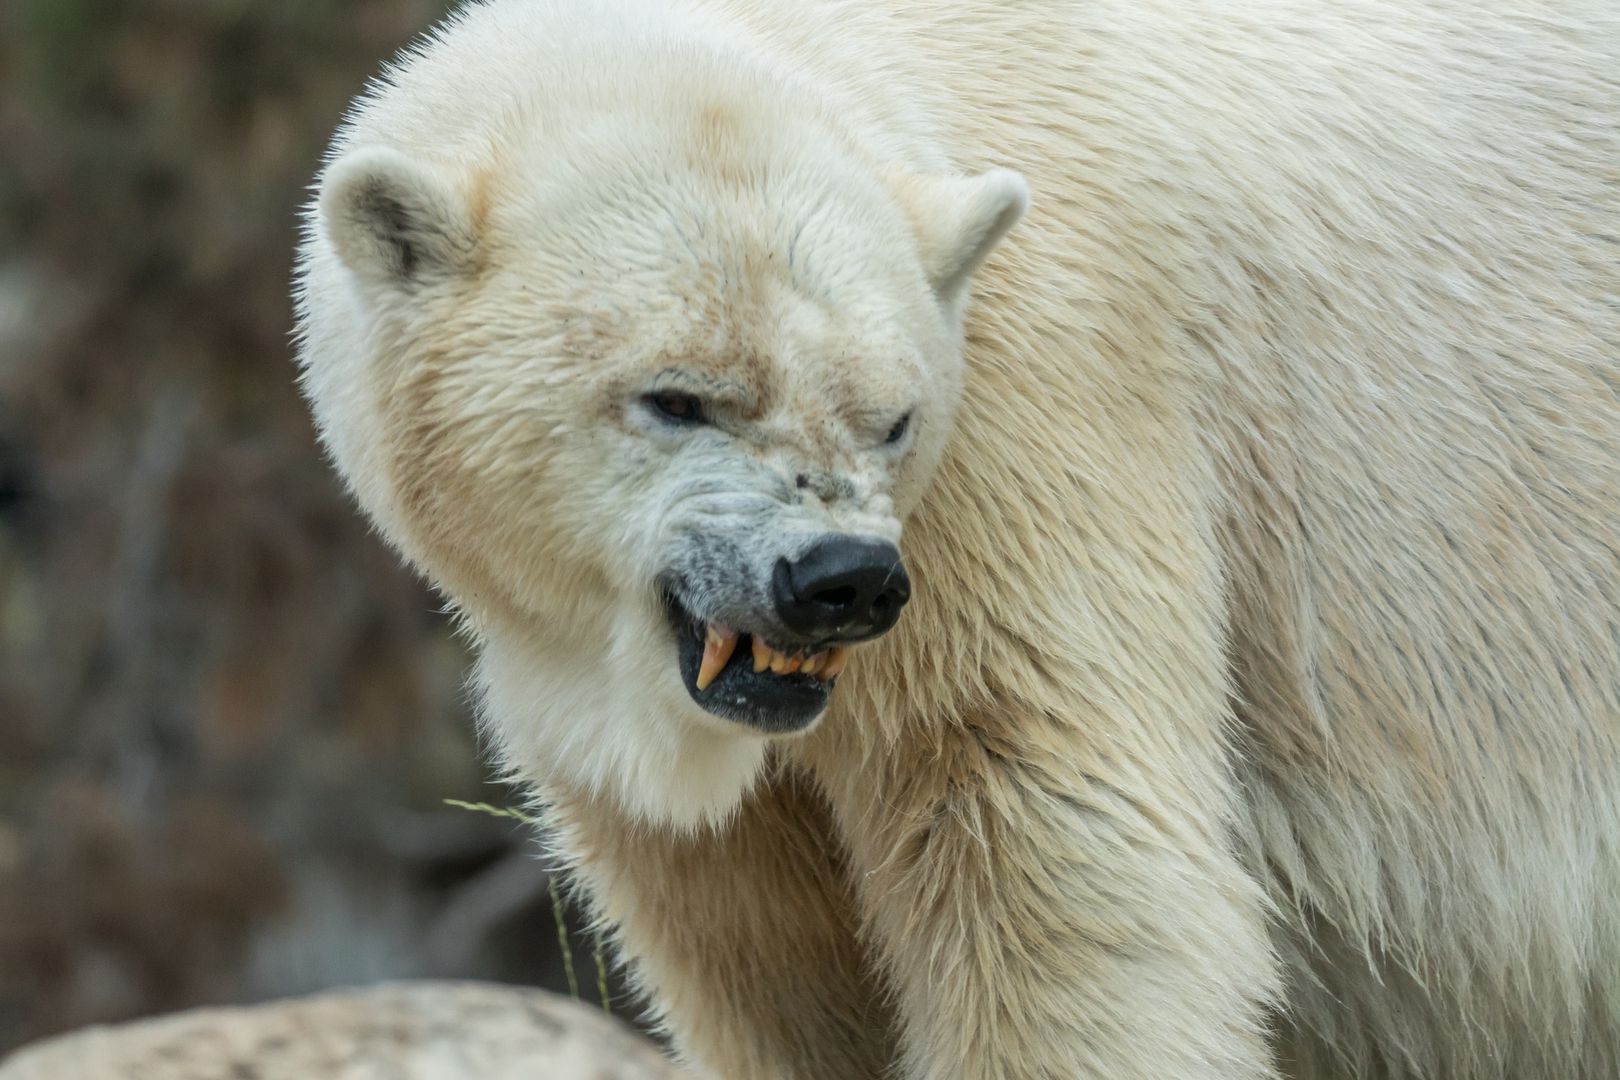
(813, 663)
(779, 662)
(718, 645)
(836, 659)
(762, 656)
(793, 664)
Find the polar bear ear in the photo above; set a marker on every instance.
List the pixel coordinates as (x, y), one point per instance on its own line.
(396, 223)
(959, 221)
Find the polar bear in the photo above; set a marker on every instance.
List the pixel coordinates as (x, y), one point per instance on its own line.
(1173, 632)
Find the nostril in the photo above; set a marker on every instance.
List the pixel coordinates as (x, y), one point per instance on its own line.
(841, 597)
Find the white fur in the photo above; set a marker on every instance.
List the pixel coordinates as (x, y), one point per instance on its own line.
(653, 752)
(1262, 672)
(597, 704)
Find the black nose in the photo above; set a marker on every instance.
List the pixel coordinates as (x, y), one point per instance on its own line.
(843, 587)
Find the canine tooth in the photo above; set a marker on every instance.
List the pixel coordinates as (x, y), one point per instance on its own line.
(813, 663)
(779, 663)
(762, 656)
(836, 659)
(718, 645)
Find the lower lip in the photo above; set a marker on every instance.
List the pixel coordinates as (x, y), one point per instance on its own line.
(763, 701)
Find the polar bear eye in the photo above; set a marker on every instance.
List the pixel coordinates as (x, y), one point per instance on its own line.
(898, 432)
(676, 407)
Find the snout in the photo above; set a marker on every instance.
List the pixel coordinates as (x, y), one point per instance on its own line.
(844, 588)
(762, 640)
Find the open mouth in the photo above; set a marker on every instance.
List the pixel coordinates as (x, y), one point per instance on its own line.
(741, 676)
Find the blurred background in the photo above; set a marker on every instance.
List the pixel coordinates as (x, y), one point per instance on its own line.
(228, 719)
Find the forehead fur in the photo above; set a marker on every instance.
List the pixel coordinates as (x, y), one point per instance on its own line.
(640, 186)
(708, 195)
(698, 236)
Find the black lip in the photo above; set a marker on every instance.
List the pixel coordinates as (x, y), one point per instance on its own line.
(777, 704)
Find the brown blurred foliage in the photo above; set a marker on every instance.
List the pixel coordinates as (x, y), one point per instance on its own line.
(227, 717)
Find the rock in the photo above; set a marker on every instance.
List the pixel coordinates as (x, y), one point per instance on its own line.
(397, 1031)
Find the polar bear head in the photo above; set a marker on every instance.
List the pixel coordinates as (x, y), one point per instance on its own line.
(649, 394)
